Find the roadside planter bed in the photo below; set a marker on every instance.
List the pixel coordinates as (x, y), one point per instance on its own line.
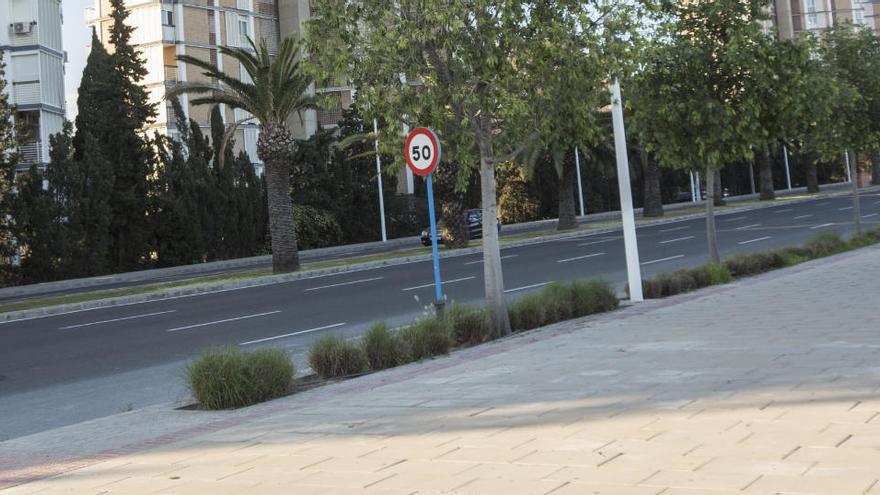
(226, 378)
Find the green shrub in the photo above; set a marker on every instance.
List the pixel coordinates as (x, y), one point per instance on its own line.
(824, 245)
(426, 338)
(743, 265)
(333, 356)
(527, 312)
(382, 347)
(793, 256)
(557, 302)
(865, 239)
(227, 377)
(717, 273)
(592, 296)
(470, 326)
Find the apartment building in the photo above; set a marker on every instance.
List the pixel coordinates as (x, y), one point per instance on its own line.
(796, 16)
(30, 38)
(167, 28)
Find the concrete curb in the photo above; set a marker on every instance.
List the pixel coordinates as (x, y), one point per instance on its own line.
(209, 288)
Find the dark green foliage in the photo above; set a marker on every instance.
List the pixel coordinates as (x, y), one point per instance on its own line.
(224, 378)
(333, 356)
(686, 280)
(316, 228)
(37, 228)
(865, 239)
(7, 174)
(824, 245)
(559, 302)
(427, 337)
(470, 326)
(383, 347)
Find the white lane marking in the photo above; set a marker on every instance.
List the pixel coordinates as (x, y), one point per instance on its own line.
(756, 240)
(663, 259)
(869, 215)
(845, 208)
(542, 284)
(677, 240)
(676, 228)
(480, 261)
(783, 210)
(821, 226)
(597, 242)
(237, 318)
(566, 260)
(352, 282)
(301, 332)
(444, 283)
(117, 319)
(748, 226)
(735, 219)
(802, 216)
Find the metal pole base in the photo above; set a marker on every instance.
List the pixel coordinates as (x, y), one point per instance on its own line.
(439, 307)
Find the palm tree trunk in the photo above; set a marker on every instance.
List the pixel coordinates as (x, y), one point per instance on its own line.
(275, 147)
(854, 173)
(875, 167)
(765, 175)
(565, 167)
(653, 206)
(492, 274)
(711, 236)
(812, 174)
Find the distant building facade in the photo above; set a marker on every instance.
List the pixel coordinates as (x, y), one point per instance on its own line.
(792, 17)
(30, 38)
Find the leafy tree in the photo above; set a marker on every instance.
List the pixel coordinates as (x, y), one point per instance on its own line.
(464, 68)
(36, 228)
(852, 55)
(693, 107)
(277, 90)
(7, 173)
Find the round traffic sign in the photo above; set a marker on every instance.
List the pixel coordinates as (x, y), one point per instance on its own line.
(422, 151)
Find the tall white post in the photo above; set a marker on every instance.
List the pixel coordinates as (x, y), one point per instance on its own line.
(846, 157)
(633, 269)
(577, 164)
(379, 179)
(787, 173)
(699, 186)
(693, 187)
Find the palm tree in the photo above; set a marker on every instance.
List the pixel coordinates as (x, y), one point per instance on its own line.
(277, 89)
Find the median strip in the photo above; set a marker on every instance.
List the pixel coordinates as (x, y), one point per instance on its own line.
(580, 257)
(293, 334)
(245, 317)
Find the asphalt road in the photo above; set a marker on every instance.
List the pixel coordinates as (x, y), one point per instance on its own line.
(60, 354)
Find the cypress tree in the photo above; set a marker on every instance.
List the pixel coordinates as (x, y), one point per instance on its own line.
(7, 173)
(36, 228)
(127, 148)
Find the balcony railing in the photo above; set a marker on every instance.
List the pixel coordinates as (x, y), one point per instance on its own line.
(171, 75)
(30, 153)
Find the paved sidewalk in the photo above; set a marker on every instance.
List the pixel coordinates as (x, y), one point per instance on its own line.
(769, 385)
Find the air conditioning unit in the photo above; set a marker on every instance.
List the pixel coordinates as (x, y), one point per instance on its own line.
(22, 27)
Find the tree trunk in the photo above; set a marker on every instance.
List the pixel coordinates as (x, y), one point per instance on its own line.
(565, 169)
(492, 274)
(653, 204)
(875, 167)
(765, 175)
(854, 173)
(812, 175)
(452, 206)
(275, 147)
(711, 236)
(718, 193)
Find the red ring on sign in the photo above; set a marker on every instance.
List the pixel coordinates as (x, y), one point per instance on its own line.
(435, 157)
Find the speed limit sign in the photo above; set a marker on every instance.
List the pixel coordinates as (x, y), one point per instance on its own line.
(422, 151)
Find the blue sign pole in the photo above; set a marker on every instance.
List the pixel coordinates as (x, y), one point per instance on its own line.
(438, 292)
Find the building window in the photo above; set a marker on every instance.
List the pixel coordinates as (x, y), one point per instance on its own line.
(859, 17)
(167, 18)
(243, 33)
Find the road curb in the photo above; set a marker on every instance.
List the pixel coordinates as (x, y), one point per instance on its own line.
(215, 287)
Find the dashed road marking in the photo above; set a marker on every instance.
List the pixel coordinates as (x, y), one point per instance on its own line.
(593, 255)
(443, 283)
(677, 240)
(134, 317)
(526, 287)
(226, 320)
(352, 282)
(748, 226)
(293, 334)
(663, 259)
(756, 240)
(821, 226)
